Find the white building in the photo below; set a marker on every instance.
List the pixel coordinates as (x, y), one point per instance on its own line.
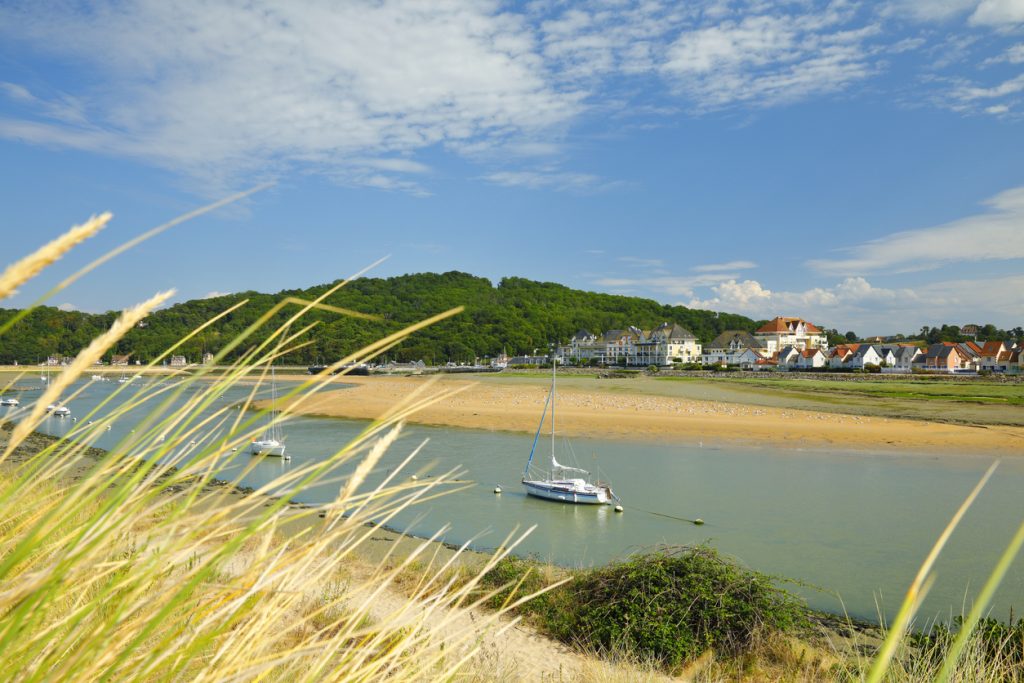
(728, 348)
(781, 332)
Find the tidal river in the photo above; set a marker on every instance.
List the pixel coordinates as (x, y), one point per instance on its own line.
(855, 524)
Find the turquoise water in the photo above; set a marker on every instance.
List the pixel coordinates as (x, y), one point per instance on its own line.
(856, 523)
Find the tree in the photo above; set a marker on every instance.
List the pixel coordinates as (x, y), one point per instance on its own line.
(851, 336)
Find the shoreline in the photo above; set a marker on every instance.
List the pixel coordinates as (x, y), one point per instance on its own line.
(616, 412)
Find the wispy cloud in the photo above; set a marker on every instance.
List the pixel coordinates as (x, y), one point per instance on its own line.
(771, 58)
(641, 262)
(731, 265)
(357, 90)
(550, 179)
(666, 285)
(195, 86)
(994, 235)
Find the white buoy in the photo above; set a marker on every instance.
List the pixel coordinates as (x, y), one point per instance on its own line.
(497, 489)
(618, 508)
(698, 521)
(414, 477)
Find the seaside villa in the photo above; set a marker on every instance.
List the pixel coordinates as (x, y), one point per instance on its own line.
(666, 344)
(781, 332)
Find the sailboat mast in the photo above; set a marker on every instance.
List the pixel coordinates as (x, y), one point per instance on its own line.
(553, 414)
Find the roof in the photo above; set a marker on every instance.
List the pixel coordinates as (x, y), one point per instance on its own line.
(781, 324)
(743, 338)
(992, 348)
(673, 331)
(582, 334)
(843, 351)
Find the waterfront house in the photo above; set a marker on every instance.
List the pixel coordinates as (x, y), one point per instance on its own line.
(747, 358)
(943, 357)
(994, 356)
(865, 355)
(583, 346)
(178, 361)
(727, 348)
(666, 344)
(120, 359)
(620, 345)
(840, 354)
(781, 332)
(207, 358)
(808, 359)
(901, 357)
(786, 358)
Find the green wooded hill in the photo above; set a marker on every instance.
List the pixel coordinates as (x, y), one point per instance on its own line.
(518, 315)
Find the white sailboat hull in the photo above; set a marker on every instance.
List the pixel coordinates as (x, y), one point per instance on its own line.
(568, 492)
(268, 447)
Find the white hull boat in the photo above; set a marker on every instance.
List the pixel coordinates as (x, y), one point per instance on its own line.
(61, 411)
(8, 402)
(576, 491)
(270, 443)
(556, 485)
(268, 447)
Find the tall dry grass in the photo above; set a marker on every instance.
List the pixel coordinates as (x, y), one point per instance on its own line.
(138, 565)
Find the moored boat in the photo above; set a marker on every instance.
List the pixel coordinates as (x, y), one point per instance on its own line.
(555, 485)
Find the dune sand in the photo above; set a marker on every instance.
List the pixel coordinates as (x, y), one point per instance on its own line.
(499, 406)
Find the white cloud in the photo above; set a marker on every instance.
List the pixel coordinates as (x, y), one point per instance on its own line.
(855, 303)
(642, 262)
(731, 265)
(1009, 87)
(1013, 55)
(547, 178)
(67, 307)
(670, 285)
(998, 13)
(238, 86)
(768, 59)
(355, 90)
(995, 235)
(929, 10)
(997, 109)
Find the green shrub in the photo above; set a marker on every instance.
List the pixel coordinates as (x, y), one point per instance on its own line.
(668, 606)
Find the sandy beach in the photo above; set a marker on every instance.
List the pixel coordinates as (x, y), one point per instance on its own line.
(516, 407)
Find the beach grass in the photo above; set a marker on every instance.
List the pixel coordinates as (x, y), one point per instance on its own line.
(139, 564)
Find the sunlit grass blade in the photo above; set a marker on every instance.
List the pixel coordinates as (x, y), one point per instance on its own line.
(917, 589)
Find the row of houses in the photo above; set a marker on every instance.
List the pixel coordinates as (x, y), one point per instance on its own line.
(946, 357)
(671, 343)
(784, 343)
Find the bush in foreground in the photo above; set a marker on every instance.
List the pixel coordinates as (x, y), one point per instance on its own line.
(669, 606)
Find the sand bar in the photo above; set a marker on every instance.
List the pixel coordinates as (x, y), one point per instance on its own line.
(616, 414)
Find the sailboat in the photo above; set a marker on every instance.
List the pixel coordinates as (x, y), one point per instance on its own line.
(270, 443)
(556, 486)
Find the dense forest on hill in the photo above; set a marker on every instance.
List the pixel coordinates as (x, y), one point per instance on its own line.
(517, 315)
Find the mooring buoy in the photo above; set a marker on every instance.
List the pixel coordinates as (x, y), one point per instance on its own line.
(618, 508)
(497, 489)
(698, 521)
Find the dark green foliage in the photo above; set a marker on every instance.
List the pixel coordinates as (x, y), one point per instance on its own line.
(518, 316)
(668, 606)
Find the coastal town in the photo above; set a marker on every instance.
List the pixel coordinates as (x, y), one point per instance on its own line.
(785, 344)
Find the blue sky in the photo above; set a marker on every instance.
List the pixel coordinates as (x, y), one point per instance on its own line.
(859, 164)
